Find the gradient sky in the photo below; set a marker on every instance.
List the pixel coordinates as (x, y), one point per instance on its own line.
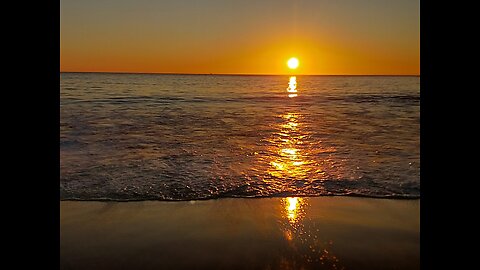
(241, 37)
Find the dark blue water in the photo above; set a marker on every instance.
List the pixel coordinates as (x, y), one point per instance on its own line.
(184, 137)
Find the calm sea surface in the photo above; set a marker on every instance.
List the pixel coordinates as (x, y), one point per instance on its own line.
(183, 137)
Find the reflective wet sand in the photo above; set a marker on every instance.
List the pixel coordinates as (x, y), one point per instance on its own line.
(269, 233)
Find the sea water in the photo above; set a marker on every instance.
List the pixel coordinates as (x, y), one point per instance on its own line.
(186, 137)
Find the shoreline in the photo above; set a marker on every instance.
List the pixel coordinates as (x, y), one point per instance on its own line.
(393, 197)
(326, 232)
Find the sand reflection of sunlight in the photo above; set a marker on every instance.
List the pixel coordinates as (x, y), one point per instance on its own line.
(294, 209)
(308, 246)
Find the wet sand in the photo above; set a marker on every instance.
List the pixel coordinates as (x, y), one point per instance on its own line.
(269, 233)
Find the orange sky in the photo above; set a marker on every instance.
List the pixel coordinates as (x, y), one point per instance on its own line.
(372, 37)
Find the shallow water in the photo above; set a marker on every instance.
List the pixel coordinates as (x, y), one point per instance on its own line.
(183, 137)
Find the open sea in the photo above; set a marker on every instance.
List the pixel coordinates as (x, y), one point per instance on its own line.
(186, 137)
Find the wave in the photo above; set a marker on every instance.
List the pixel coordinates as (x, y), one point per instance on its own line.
(183, 192)
(191, 139)
(107, 199)
(377, 98)
(357, 98)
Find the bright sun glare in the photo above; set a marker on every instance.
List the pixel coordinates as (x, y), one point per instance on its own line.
(292, 63)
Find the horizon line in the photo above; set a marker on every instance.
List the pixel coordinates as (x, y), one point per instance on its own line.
(240, 74)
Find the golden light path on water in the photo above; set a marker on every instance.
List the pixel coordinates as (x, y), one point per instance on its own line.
(289, 161)
(292, 161)
(292, 86)
(294, 155)
(289, 153)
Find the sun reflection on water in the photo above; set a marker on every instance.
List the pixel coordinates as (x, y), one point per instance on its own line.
(292, 86)
(292, 160)
(289, 154)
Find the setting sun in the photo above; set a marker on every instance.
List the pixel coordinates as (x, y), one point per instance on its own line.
(292, 63)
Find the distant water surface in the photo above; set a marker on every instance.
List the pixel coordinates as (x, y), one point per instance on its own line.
(185, 137)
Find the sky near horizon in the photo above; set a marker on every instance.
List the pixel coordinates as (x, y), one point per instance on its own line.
(344, 37)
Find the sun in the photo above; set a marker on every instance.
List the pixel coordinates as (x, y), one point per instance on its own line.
(292, 63)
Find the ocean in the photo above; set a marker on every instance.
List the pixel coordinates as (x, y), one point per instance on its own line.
(188, 137)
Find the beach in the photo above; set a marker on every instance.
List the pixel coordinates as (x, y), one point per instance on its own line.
(239, 135)
(241, 233)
